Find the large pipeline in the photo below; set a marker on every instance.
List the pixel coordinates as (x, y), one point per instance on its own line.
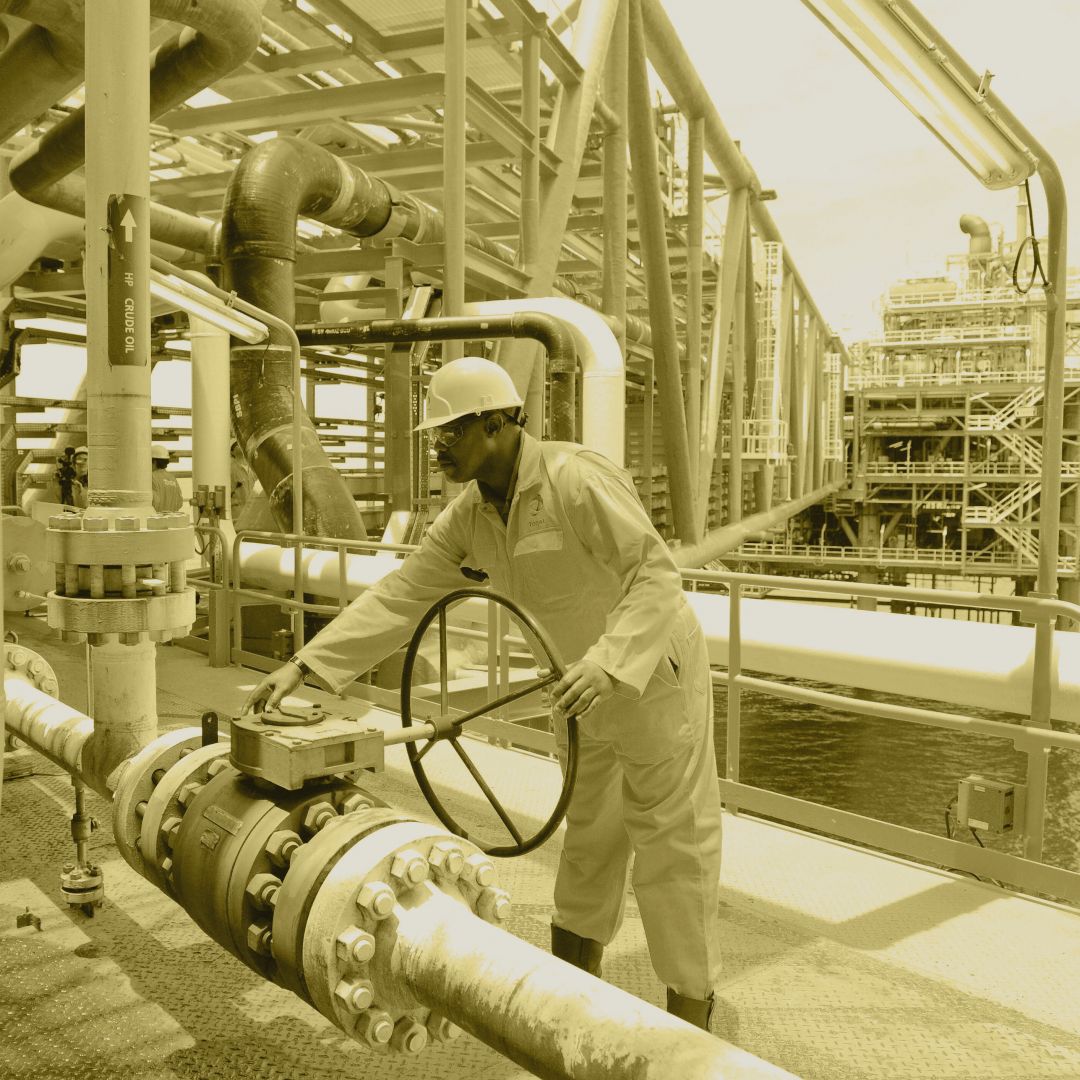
(386, 925)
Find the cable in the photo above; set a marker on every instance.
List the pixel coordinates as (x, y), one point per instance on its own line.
(1036, 258)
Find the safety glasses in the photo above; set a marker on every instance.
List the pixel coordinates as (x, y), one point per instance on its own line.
(450, 434)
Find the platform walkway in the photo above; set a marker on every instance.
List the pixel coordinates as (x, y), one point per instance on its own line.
(840, 964)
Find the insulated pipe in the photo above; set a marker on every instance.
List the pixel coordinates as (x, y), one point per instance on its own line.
(653, 239)
(26, 230)
(962, 663)
(50, 727)
(210, 455)
(721, 541)
(43, 64)
(550, 332)
(554, 1020)
(979, 231)
(603, 374)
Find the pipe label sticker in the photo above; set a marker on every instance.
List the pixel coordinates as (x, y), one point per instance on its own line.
(129, 280)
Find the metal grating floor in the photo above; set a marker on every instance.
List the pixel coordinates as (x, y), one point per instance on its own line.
(840, 964)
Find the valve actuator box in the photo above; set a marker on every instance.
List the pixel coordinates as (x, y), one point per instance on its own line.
(292, 746)
(994, 806)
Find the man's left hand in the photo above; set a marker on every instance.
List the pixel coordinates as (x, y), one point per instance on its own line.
(584, 686)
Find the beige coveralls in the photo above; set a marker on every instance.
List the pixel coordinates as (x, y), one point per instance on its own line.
(579, 553)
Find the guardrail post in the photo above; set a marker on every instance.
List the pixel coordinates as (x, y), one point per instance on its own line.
(734, 702)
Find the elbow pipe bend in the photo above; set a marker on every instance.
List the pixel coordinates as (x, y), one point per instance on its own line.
(226, 33)
(978, 231)
(552, 333)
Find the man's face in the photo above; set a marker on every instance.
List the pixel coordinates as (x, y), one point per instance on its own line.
(80, 464)
(460, 448)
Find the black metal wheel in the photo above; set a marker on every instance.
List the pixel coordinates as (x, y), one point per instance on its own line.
(448, 728)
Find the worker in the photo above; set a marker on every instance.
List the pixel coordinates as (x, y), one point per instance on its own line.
(166, 494)
(561, 530)
(70, 481)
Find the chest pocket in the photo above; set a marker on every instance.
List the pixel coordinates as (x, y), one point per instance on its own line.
(540, 561)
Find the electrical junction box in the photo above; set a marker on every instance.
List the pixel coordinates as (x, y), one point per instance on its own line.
(289, 747)
(993, 806)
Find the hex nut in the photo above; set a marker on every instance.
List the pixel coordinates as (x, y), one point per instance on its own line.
(355, 994)
(440, 1029)
(258, 939)
(219, 764)
(377, 899)
(410, 1036)
(493, 905)
(355, 802)
(281, 847)
(169, 828)
(409, 868)
(188, 792)
(479, 870)
(374, 1027)
(446, 858)
(356, 945)
(317, 816)
(262, 891)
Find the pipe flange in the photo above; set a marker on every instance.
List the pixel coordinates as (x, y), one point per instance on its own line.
(308, 866)
(128, 621)
(164, 812)
(134, 784)
(362, 895)
(26, 664)
(91, 542)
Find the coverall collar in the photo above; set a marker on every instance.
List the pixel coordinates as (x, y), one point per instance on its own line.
(526, 474)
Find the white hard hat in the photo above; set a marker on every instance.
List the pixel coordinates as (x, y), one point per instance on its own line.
(159, 452)
(471, 385)
(81, 450)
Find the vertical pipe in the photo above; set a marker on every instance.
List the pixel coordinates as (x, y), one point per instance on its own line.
(211, 461)
(647, 424)
(738, 390)
(653, 238)
(530, 154)
(124, 705)
(454, 169)
(695, 227)
(118, 150)
(613, 300)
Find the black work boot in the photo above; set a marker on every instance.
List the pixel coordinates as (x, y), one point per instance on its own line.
(692, 1010)
(582, 952)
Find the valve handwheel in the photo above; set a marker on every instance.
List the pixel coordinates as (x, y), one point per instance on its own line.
(449, 727)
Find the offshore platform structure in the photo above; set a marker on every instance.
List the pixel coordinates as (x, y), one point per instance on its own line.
(944, 411)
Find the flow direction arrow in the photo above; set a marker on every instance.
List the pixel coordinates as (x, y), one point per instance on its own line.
(128, 224)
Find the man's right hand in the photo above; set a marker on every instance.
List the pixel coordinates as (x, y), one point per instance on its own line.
(268, 694)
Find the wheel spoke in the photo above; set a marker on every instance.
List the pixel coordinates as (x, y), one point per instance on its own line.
(427, 746)
(491, 797)
(489, 706)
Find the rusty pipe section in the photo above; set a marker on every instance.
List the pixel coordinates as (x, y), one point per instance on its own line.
(552, 333)
(273, 184)
(42, 64)
(725, 539)
(226, 33)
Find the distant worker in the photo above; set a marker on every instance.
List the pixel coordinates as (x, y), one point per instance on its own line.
(560, 529)
(70, 480)
(167, 495)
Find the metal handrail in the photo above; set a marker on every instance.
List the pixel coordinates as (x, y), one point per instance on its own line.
(1034, 737)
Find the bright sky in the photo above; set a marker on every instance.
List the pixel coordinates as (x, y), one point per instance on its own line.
(866, 193)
